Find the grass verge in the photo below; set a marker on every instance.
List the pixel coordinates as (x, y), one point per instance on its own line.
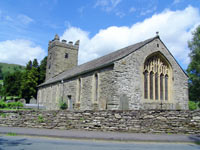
(11, 134)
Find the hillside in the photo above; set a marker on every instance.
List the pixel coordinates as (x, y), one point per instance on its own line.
(5, 68)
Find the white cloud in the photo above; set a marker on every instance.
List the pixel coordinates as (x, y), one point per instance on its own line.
(148, 11)
(120, 14)
(174, 27)
(18, 20)
(107, 5)
(110, 6)
(132, 9)
(8, 18)
(24, 19)
(20, 51)
(176, 1)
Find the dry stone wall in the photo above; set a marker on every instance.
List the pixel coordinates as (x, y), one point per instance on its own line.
(138, 121)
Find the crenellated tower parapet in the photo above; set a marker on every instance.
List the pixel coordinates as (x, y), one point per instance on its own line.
(56, 42)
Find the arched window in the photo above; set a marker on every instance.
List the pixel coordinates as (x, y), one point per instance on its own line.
(79, 89)
(151, 85)
(161, 87)
(146, 84)
(156, 86)
(96, 87)
(166, 87)
(156, 77)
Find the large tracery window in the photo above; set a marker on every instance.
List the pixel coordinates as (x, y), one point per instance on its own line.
(156, 78)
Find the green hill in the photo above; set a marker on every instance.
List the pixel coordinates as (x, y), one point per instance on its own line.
(9, 68)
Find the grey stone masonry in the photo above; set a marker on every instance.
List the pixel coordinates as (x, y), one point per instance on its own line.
(115, 81)
(138, 121)
(62, 56)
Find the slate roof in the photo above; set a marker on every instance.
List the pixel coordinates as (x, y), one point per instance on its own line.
(97, 63)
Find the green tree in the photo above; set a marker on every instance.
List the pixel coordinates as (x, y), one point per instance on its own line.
(30, 80)
(35, 63)
(12, 83)
(1, 90)
(1, 73)
(33, 76)
(193, 69)
(29, 65)
(42, 70)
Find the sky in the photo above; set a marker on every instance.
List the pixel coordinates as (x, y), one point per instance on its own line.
(102, 26)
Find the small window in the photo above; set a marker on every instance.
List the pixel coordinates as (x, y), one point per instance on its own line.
(66, 55)
(96, 87)
(157, 45)
(49, 66)
(146, 84)
(79, 89)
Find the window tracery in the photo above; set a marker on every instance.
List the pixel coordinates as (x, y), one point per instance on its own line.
(156, 78)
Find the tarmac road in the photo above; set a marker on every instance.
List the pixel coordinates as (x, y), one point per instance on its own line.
(41, 143)
(98, 135)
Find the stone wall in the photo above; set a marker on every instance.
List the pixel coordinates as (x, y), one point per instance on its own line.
(138, 121)
(50, 95)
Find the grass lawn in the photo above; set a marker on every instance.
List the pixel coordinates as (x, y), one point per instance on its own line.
(12, 97)
(14, 109)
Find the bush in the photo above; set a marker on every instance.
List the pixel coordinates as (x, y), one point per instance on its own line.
(10, 104)
(192, 105)
(63, 105)
(3, 104)
(15, 105)
(40, 119)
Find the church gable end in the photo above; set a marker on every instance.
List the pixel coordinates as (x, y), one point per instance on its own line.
(151, 78)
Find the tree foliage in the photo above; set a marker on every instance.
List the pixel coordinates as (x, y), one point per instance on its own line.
(194, 66)
(12, 83)
(33, 76)
(1, 73)
(30, 81)
(42, 70)
(24, 83)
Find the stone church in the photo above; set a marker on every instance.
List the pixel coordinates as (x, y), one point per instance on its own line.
(141, 76)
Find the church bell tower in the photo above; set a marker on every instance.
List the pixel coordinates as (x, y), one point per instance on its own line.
(62, 56)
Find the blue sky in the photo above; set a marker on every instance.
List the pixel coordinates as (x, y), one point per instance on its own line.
(102, 26)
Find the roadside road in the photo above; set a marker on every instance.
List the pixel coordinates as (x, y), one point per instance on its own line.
(97, 135)
(41, 143)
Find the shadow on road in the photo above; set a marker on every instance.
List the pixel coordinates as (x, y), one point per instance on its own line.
(12, 142)
(195, 139)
